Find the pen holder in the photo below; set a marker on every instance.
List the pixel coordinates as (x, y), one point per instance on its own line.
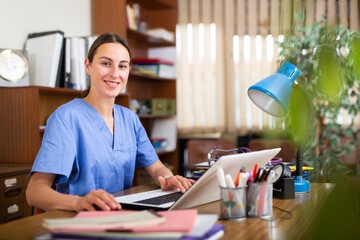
(232, 203)
(260, 200)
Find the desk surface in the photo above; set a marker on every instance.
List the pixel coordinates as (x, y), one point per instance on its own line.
(304, 209)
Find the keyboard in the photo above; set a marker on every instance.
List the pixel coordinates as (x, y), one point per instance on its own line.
(171, 197)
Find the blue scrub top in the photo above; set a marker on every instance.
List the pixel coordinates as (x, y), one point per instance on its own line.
(79, 148)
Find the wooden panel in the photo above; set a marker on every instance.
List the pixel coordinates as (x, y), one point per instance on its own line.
(264, 17)
(252, 18)
(196, 78)
(220, 75)
(184, 81)
(275, 17)
(109, 16)
(19, 117)
(229, 65)
(166, 18)
(209, 86)
(320, 10)
(241, 17)
(343, 7)
(286, 17)
(331, 13)
(354, 15)
(309, 19)
(151, 88)
(297, 5)
(241, 79)
(155, 4)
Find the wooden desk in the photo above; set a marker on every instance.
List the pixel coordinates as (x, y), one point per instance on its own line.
(304, 209)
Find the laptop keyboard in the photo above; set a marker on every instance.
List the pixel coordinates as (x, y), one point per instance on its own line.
(171, 197)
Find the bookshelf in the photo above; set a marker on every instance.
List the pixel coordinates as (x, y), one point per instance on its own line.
(110, 16)
(23, 115)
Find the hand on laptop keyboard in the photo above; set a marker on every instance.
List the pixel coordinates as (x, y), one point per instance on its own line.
(175, 182)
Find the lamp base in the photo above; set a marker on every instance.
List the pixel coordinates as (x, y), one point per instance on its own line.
(301, 185)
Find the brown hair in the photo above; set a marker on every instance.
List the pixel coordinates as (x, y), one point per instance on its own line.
(105, 38)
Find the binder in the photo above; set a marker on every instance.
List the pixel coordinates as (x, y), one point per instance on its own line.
(67, 62)
(75, 63)
(44, 52)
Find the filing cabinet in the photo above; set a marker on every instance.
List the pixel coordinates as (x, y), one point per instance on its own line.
(13, 183)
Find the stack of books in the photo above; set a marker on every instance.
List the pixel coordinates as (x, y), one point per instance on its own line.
(177, 224)
(155, 66)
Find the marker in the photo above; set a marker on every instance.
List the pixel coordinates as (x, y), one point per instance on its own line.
(255, 170)
(243, 179)
(221, 177)
(236, 183)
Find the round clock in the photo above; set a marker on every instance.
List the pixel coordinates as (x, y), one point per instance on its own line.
(13, 65)
(281, 171)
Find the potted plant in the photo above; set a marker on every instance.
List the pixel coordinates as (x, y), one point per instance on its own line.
(329, 62)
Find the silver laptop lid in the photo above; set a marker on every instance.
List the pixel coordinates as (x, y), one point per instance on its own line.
(207, 190)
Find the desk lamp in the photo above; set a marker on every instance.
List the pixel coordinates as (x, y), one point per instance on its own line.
(272, 95)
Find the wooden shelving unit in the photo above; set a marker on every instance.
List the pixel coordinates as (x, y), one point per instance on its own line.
(23, 115)
(110, 16)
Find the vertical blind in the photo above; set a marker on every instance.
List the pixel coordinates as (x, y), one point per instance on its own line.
(225, 46)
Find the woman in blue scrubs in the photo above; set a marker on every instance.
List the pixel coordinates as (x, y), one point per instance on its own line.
(92, 146)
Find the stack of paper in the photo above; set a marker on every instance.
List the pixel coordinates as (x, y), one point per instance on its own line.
(103, 223)
(177, 224)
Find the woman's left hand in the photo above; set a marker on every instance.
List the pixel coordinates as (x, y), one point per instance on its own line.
(175, 182)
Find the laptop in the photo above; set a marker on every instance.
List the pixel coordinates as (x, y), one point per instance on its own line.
(205, 190)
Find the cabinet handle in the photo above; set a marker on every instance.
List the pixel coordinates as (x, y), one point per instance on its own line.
(13, 217)
(13, 191)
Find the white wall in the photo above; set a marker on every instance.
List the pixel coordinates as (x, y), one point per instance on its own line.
(18, 18)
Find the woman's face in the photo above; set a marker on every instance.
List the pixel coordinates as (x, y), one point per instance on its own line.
(109, 70)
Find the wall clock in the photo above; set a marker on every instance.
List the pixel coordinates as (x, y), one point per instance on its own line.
(13, 68)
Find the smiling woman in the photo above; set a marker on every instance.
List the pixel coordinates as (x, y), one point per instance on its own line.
(110, 60)
(91, 146)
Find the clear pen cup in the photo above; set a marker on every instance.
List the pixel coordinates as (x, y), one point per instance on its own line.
(232, 203)
(260, 200)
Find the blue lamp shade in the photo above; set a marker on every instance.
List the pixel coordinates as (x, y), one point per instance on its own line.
(272, 94)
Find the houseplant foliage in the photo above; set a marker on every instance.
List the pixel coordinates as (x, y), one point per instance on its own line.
(329, 62)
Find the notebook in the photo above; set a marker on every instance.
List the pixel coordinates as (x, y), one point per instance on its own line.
(205, 190)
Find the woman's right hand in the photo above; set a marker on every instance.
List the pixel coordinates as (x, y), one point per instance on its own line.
(97, 200)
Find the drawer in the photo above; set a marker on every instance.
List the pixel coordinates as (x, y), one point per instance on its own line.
(14, 211)
(12, 189)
